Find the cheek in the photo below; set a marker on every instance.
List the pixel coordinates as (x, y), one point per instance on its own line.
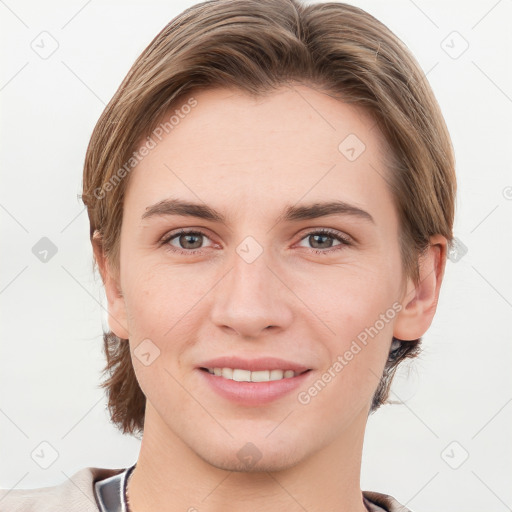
(158, 298)
(161, 315)
(349, 379)
(362, 314)
(360, 310)
(350, 298)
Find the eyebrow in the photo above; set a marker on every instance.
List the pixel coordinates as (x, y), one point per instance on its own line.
(290, 213)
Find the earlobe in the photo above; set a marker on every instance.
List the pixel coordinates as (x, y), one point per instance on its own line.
(116, 305)
(420, 301)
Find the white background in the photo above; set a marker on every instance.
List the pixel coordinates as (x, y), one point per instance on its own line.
(51, 321)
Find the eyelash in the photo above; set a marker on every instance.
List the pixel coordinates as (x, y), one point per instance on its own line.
(324, 232)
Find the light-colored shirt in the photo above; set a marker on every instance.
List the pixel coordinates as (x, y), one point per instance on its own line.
(77, 494)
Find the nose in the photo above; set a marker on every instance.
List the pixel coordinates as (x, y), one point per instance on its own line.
(251, 298)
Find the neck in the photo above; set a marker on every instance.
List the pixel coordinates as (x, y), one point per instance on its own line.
(170, 477)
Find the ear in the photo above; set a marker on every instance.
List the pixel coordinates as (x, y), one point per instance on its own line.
(116, 306)
(420, 300)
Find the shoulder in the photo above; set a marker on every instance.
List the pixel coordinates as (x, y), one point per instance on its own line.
(75, 494)
(378, 502)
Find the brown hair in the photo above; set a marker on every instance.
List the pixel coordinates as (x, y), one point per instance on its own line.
(256, 46)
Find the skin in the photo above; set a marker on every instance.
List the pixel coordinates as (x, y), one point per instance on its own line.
(249, 158)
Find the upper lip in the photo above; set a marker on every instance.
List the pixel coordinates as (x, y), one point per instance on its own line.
(253, 365)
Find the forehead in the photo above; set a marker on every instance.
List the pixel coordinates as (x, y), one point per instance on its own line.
(236, 151)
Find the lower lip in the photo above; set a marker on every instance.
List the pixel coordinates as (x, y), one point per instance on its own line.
(253, 393)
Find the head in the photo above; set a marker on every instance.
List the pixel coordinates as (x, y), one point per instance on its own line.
(291, 105)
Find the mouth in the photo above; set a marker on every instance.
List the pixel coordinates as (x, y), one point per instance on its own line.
(253, 382)
(241, 375)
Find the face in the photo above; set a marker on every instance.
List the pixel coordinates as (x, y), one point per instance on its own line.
(256, 280)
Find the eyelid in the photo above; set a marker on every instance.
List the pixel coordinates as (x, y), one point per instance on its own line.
(330, 232)
(344, 240)
(166, 239)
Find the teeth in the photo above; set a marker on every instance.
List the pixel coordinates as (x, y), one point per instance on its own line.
(276, 374)
(239, 375)
(227, 373)
(260, 376)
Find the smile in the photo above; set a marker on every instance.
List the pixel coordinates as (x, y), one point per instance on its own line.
(240, 375)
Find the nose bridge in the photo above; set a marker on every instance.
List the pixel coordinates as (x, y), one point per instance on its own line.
(250, 297)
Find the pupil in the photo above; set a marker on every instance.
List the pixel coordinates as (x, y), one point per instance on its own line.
(197, 243)
(324, 237)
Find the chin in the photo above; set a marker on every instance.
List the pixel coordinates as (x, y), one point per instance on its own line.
(250, 459)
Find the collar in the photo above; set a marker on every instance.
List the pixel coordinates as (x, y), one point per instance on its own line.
(110, 493)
